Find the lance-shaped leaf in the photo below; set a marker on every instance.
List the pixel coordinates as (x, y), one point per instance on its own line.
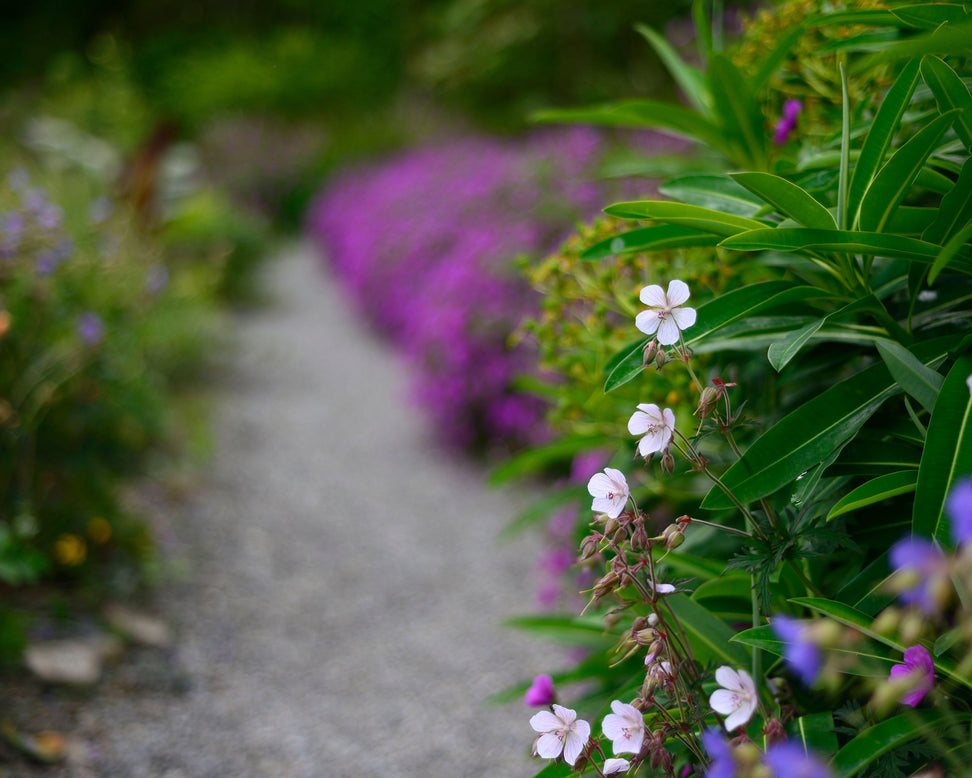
(950, 92)
(689, 78)
(950, 251)
(666, 117)
(955, 210)
(654, 238)
(874, 742)
(947, 454)
(884, 487)
(798, 239)
(916, 378)
(736, 105)
(895, 179)
(783, 350)
(625, 365)
(692, 216)
(880, 135)
(930, 15)
(815, 731)
(719, 193)
(788, 199)
(708, 635)
(810, 433)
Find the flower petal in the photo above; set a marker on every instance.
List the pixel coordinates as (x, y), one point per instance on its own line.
(739, 718)
(573, 746)
(549, 746)
(544, 721)
(667, 331)
(723, 701)
(678, 292)
(654, 297)
(647, 322)
(600, 485)
(684, 317)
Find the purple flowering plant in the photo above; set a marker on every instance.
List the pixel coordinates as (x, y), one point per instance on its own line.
(786, 581)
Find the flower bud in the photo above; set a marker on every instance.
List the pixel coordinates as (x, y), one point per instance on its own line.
(660, 358)
(648, 352)
(707, 401)
(911, 627)
(668, 462)
(887, 622)
(673, 536)
(652, 619)
(611, 526)
(588, 547)
(645, 637)
(747, 754)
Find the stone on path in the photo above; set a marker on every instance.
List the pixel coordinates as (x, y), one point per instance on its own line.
(72, 661)
(138, 627)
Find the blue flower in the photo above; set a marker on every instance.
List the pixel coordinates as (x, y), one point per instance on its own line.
(959, 508)
(924, 562)
(722, 764)
(800, 653)
(789, 760)
(91, 329)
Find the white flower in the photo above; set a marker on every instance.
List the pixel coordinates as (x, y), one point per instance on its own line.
(665, 314)
(562, 731)
(615, 765)
(968, 383)
(625, 727)
(655, 424)
(610, 492)
(737, 699)
(662, 588)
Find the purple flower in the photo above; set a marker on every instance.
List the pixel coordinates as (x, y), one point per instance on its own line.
(922, 561)
(788, 121)
(541, 692)
(800, 653)
(90, 328)
(789, 760)
(99, 210)
(722, 764)
(917, 662)
(959, 508)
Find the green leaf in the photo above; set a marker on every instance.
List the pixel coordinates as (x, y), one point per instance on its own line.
(572, 630)
(877, 489)
(736, 105)
(556, 769)
(955, 210)
(949, 251)
(788, 199)
(810, 433)
(719, 193)
(947, 455)
(874, 742)
(541, 457)
(693, 216)
(696, 566)
(654, 238)
(896, 177)
(909, 220)
(626, 365)
(745, 302)
(708, 636)
(930, 15)
(689, 78)
(771, 64)
(950, 92)
(880, 135)
(799, 239)
(783, 350)
(816, 732)
(918, 380)
(541, 510)
(666, 117)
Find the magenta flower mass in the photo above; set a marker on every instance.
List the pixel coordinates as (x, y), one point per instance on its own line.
(919, 666)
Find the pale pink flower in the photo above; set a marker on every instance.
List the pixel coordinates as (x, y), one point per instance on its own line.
(665, 315)
(655, 424)
(615, 765)
(625, 727)
(561, 731)
(610, 492)
(737, 699)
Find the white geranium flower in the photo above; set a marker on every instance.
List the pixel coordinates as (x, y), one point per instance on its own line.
(625, 727)
(561, 731)
(615, 765)
(737, 699)
(610, 492)
(666, 314)
(655, 424)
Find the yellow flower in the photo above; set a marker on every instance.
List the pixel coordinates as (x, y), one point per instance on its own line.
(70, 550)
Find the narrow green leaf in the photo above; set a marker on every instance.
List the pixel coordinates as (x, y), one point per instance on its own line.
(949, 251)
(536, 459)
(692, 216)
(738, 109)
(947, 455)
(918, 380)
(771, 64)
(783, 350)
(745, 302)
(654, 238)
(898, 174)
(665, 117)
(572, 630)
(816, 733)
(950, 92)
(909, 220)
(874, 742)
(880, 135)
(930, 15)
(719, 193)
(788, 199)
(874, 491)
(708, 636)
(689, 78)
(844, 217)
(810, 433)
(626, 365)
(799, 239)
(696, 566)
(955, 210)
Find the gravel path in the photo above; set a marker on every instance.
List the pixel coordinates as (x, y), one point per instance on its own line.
(341, 614)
